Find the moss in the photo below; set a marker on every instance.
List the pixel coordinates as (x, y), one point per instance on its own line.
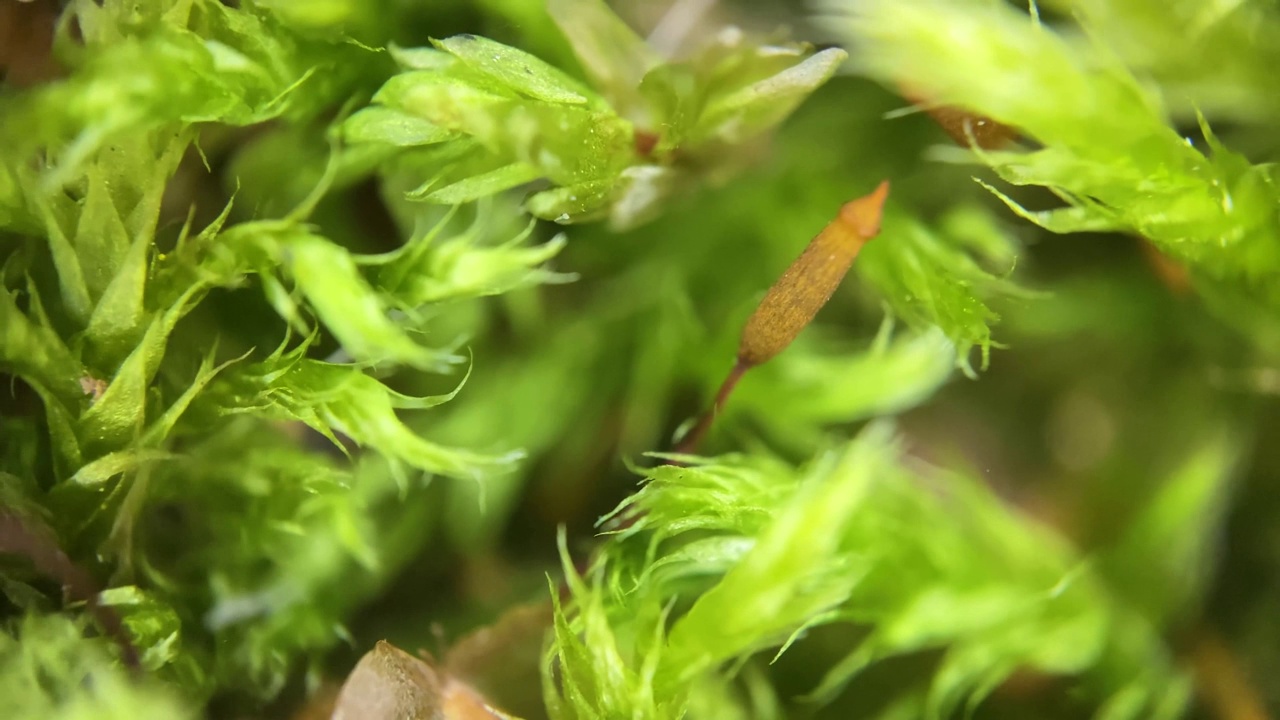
(321, 321)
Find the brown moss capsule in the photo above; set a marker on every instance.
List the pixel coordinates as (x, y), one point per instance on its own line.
(809, 282)
(797, 297)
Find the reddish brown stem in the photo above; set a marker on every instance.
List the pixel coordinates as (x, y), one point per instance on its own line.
(689, 443)
(37, 544)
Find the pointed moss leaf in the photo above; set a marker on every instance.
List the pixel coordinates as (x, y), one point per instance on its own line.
(601, 674)
(412, 402)
(119, 320)
(1110, 153)
(195, 260)
(640, 192)
(101, 239)
(152, 625)
(615, 58)
(50, 669)
(15, 499)
(368, 418)
(108, 466)
(331, 539)
(461, 267)
(379, 124)
(1171, 41)
(522, 72)
(1062, 220)
(482, 185)
(1137, 701)
(339, 399)
(729, 91)
(763, 104)
(451, 162)
(1162, 560)
(713, 556)
(74, 290)
(929, 279)
(349, 307)
(568, 143)
(674, 91)
(788, 577)
(801, 391)
(63, 382)
(143, 165)
(36, 353)
(202, 61)
(15, 213)
(159, 431)
(914, 43)
(285, 304)
(446, 98)
(922, 559)
(125, 184)
(573, 203)
(421, 58)
(120, 413)
(62, 433)
(1028, 603)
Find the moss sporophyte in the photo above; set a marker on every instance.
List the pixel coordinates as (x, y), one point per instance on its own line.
(791, 303)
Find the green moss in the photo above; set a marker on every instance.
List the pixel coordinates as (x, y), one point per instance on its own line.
(294, 362)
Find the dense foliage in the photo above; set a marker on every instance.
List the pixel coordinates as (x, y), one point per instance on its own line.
(330, 321)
